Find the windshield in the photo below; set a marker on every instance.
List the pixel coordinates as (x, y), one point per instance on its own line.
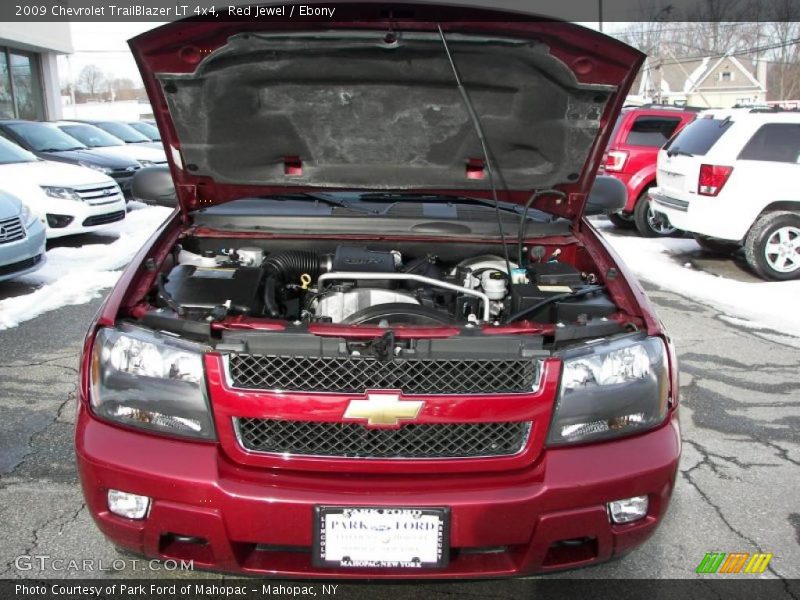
(92, 136)
(123, 131)
(11, 153)
(146, 129)
(44, 137)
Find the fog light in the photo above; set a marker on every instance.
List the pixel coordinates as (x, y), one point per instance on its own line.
(59, 221)
(628, 510)
(128, 505)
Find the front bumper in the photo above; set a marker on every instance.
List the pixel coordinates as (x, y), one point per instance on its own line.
(84, 217)
(259, 521)
(26, 255)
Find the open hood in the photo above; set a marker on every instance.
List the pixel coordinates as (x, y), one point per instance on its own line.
(367, 100)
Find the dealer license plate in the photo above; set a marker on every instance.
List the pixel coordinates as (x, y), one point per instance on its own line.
(381, 537)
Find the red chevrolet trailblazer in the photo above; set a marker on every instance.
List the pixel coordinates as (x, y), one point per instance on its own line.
(378, 338)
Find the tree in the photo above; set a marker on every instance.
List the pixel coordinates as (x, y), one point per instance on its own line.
(92, 80)
(119, 84)
(759, 31)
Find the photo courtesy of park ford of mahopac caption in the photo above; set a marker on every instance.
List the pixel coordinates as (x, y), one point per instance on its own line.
(399, 300)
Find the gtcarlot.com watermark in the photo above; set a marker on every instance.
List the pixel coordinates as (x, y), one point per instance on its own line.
(45, 562)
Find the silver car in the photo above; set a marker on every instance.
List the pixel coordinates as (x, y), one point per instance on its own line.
(22, 239)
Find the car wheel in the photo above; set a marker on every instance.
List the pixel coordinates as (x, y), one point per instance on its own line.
(715, 245)
(648, 222)
(622, 220)
(772, 246)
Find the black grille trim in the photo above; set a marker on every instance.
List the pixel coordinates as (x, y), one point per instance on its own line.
(353, 440)
(104, 219)
(20, 266)
(350, 375)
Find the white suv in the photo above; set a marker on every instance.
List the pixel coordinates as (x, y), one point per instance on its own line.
(731, 178)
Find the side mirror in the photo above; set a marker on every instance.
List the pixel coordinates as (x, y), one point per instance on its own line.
(608, 195)
(153, 185)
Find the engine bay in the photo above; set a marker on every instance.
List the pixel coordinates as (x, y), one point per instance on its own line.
(377, 284)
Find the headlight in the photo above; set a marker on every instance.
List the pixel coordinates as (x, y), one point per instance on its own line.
(26, 216)
(105, 170)
(62, 193)
(611, 390)
(150, 381)
(146, 163)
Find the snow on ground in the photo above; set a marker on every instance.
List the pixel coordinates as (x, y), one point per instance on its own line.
(761, 304)
(76, 275)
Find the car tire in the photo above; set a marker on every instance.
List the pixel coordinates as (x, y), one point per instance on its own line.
(622, 220)
(772, 246)
(717, 246)
(647, 223)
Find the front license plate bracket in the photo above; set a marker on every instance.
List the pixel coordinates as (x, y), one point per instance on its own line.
(381, 537)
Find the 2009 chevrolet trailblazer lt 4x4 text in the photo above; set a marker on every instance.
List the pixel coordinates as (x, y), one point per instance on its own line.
(379, 338)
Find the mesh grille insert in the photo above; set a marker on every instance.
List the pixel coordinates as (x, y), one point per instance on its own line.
(356, 375)
(353, 440)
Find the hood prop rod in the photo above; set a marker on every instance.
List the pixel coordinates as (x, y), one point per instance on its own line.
(476, 123)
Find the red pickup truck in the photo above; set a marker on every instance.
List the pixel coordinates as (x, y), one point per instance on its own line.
(631, 157)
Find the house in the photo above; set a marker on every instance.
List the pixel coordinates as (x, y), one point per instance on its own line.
(29, 82)
(719, 82)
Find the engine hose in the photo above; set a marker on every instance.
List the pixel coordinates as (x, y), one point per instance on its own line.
(270, 299)
(289, 265)
(285, 267)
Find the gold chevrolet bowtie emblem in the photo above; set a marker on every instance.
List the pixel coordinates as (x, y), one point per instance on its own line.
(383, 409)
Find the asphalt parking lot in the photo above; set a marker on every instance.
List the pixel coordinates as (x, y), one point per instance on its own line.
(737, 489)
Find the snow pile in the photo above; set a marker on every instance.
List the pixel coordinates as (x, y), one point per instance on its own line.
(661, 261)
(76, 275)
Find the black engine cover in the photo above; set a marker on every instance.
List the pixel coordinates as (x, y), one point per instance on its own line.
(357, 258)
(199, 289)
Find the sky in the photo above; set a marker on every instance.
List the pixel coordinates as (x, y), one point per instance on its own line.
(104, 45)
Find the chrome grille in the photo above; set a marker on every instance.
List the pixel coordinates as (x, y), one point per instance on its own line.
(126, 172)
(97, 195)
(350, 375)
(11, 230)
(353, 440)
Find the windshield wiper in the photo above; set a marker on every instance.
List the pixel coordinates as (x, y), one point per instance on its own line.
(454, 200)
(678, 152)
(334, 201)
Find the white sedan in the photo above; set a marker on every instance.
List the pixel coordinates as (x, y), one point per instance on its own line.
(66, 198)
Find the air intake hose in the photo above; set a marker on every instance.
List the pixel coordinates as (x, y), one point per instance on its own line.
(288, 266)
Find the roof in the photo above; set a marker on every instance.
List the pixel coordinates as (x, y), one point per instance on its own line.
(756, 115)
(688, 76)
